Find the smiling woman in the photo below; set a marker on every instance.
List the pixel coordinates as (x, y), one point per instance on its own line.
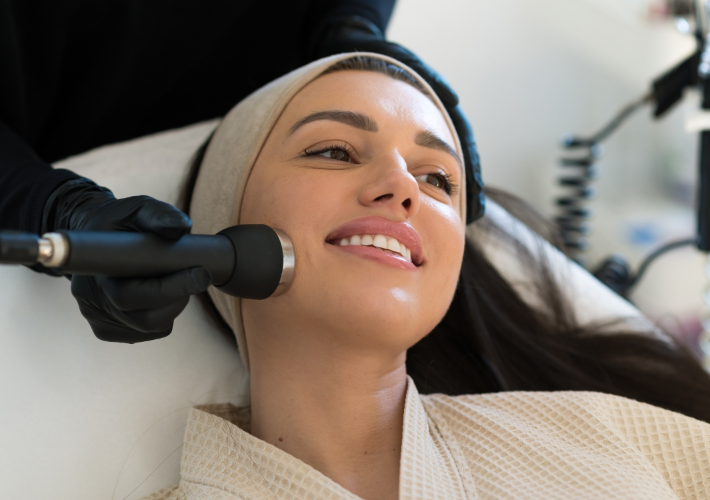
(356, 159)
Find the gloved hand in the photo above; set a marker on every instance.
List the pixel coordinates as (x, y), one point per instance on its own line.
(355, 33)
(124, 310)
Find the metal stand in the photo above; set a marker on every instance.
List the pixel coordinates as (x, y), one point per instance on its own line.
(703, 242)
(694, 72)
(704, 340)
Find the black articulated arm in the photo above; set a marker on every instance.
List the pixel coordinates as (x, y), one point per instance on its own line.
(668, 89)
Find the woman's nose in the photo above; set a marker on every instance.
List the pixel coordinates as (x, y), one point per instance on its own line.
(392, 188)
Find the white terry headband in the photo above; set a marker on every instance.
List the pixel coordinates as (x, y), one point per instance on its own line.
(232, 153)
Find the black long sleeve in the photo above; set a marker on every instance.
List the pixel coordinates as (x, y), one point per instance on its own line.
(376, 11)
(25, 183)
(77, 74)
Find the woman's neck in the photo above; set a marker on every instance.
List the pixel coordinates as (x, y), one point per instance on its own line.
(341, 414)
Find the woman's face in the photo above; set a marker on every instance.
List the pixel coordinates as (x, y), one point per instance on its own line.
(359, 161)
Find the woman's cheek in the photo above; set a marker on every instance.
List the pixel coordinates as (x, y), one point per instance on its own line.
(445, 233)
(303, 193)
(443, 226)
(272, 199)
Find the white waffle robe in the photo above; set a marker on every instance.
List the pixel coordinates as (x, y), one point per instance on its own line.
(513, 445)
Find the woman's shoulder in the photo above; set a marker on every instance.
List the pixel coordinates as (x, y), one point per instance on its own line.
(569, 404)
(560, 408)
(614, 429)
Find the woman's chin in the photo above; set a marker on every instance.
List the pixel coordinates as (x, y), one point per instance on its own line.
(361, 301)
(376, 315)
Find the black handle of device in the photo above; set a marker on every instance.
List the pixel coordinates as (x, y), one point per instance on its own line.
(17, 247)
(141, 255)
(248, 261)
(245, 261)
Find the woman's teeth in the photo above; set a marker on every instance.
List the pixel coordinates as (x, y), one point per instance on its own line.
(379, 241)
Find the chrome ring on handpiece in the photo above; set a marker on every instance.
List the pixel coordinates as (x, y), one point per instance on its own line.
(53, 250)
(289, 263)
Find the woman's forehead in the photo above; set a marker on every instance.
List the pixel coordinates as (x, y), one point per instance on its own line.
(386, 100)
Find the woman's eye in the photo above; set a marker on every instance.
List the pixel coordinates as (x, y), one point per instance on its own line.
(335, 154)
(435, 180)
(440, 181)
(332, 152)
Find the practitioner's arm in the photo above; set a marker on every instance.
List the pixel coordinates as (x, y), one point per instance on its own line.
(26, 182)
(37, 198)
(124, 310)
(44, 68)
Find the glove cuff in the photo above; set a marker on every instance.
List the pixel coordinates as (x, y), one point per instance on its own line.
(58, 210)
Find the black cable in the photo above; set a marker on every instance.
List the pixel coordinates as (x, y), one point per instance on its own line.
(657, 253)
(580, 173)
(615, 272)
(571, 141)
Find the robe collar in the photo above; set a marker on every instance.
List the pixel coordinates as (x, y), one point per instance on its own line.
(220, 458)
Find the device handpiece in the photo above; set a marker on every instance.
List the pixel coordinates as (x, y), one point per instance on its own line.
(248, 261)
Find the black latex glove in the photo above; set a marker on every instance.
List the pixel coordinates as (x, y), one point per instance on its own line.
(356, 33)
(124, 310)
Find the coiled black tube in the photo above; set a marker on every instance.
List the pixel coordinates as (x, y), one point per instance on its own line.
(580, 171)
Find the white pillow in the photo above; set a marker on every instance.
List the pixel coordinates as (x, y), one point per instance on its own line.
(86, 419)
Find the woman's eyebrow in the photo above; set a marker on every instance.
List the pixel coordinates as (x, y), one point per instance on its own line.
(357, 120)
(428, 139)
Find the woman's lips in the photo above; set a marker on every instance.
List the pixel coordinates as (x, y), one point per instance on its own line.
(380, 239)
(382, 256)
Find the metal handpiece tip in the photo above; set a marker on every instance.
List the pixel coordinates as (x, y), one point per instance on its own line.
(289, 263)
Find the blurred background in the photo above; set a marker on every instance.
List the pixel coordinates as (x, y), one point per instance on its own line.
(528, 72)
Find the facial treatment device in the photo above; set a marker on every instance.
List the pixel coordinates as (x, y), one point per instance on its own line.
(580, 163)
(247, 261)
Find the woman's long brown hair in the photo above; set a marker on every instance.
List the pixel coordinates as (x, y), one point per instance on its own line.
(492, 340)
